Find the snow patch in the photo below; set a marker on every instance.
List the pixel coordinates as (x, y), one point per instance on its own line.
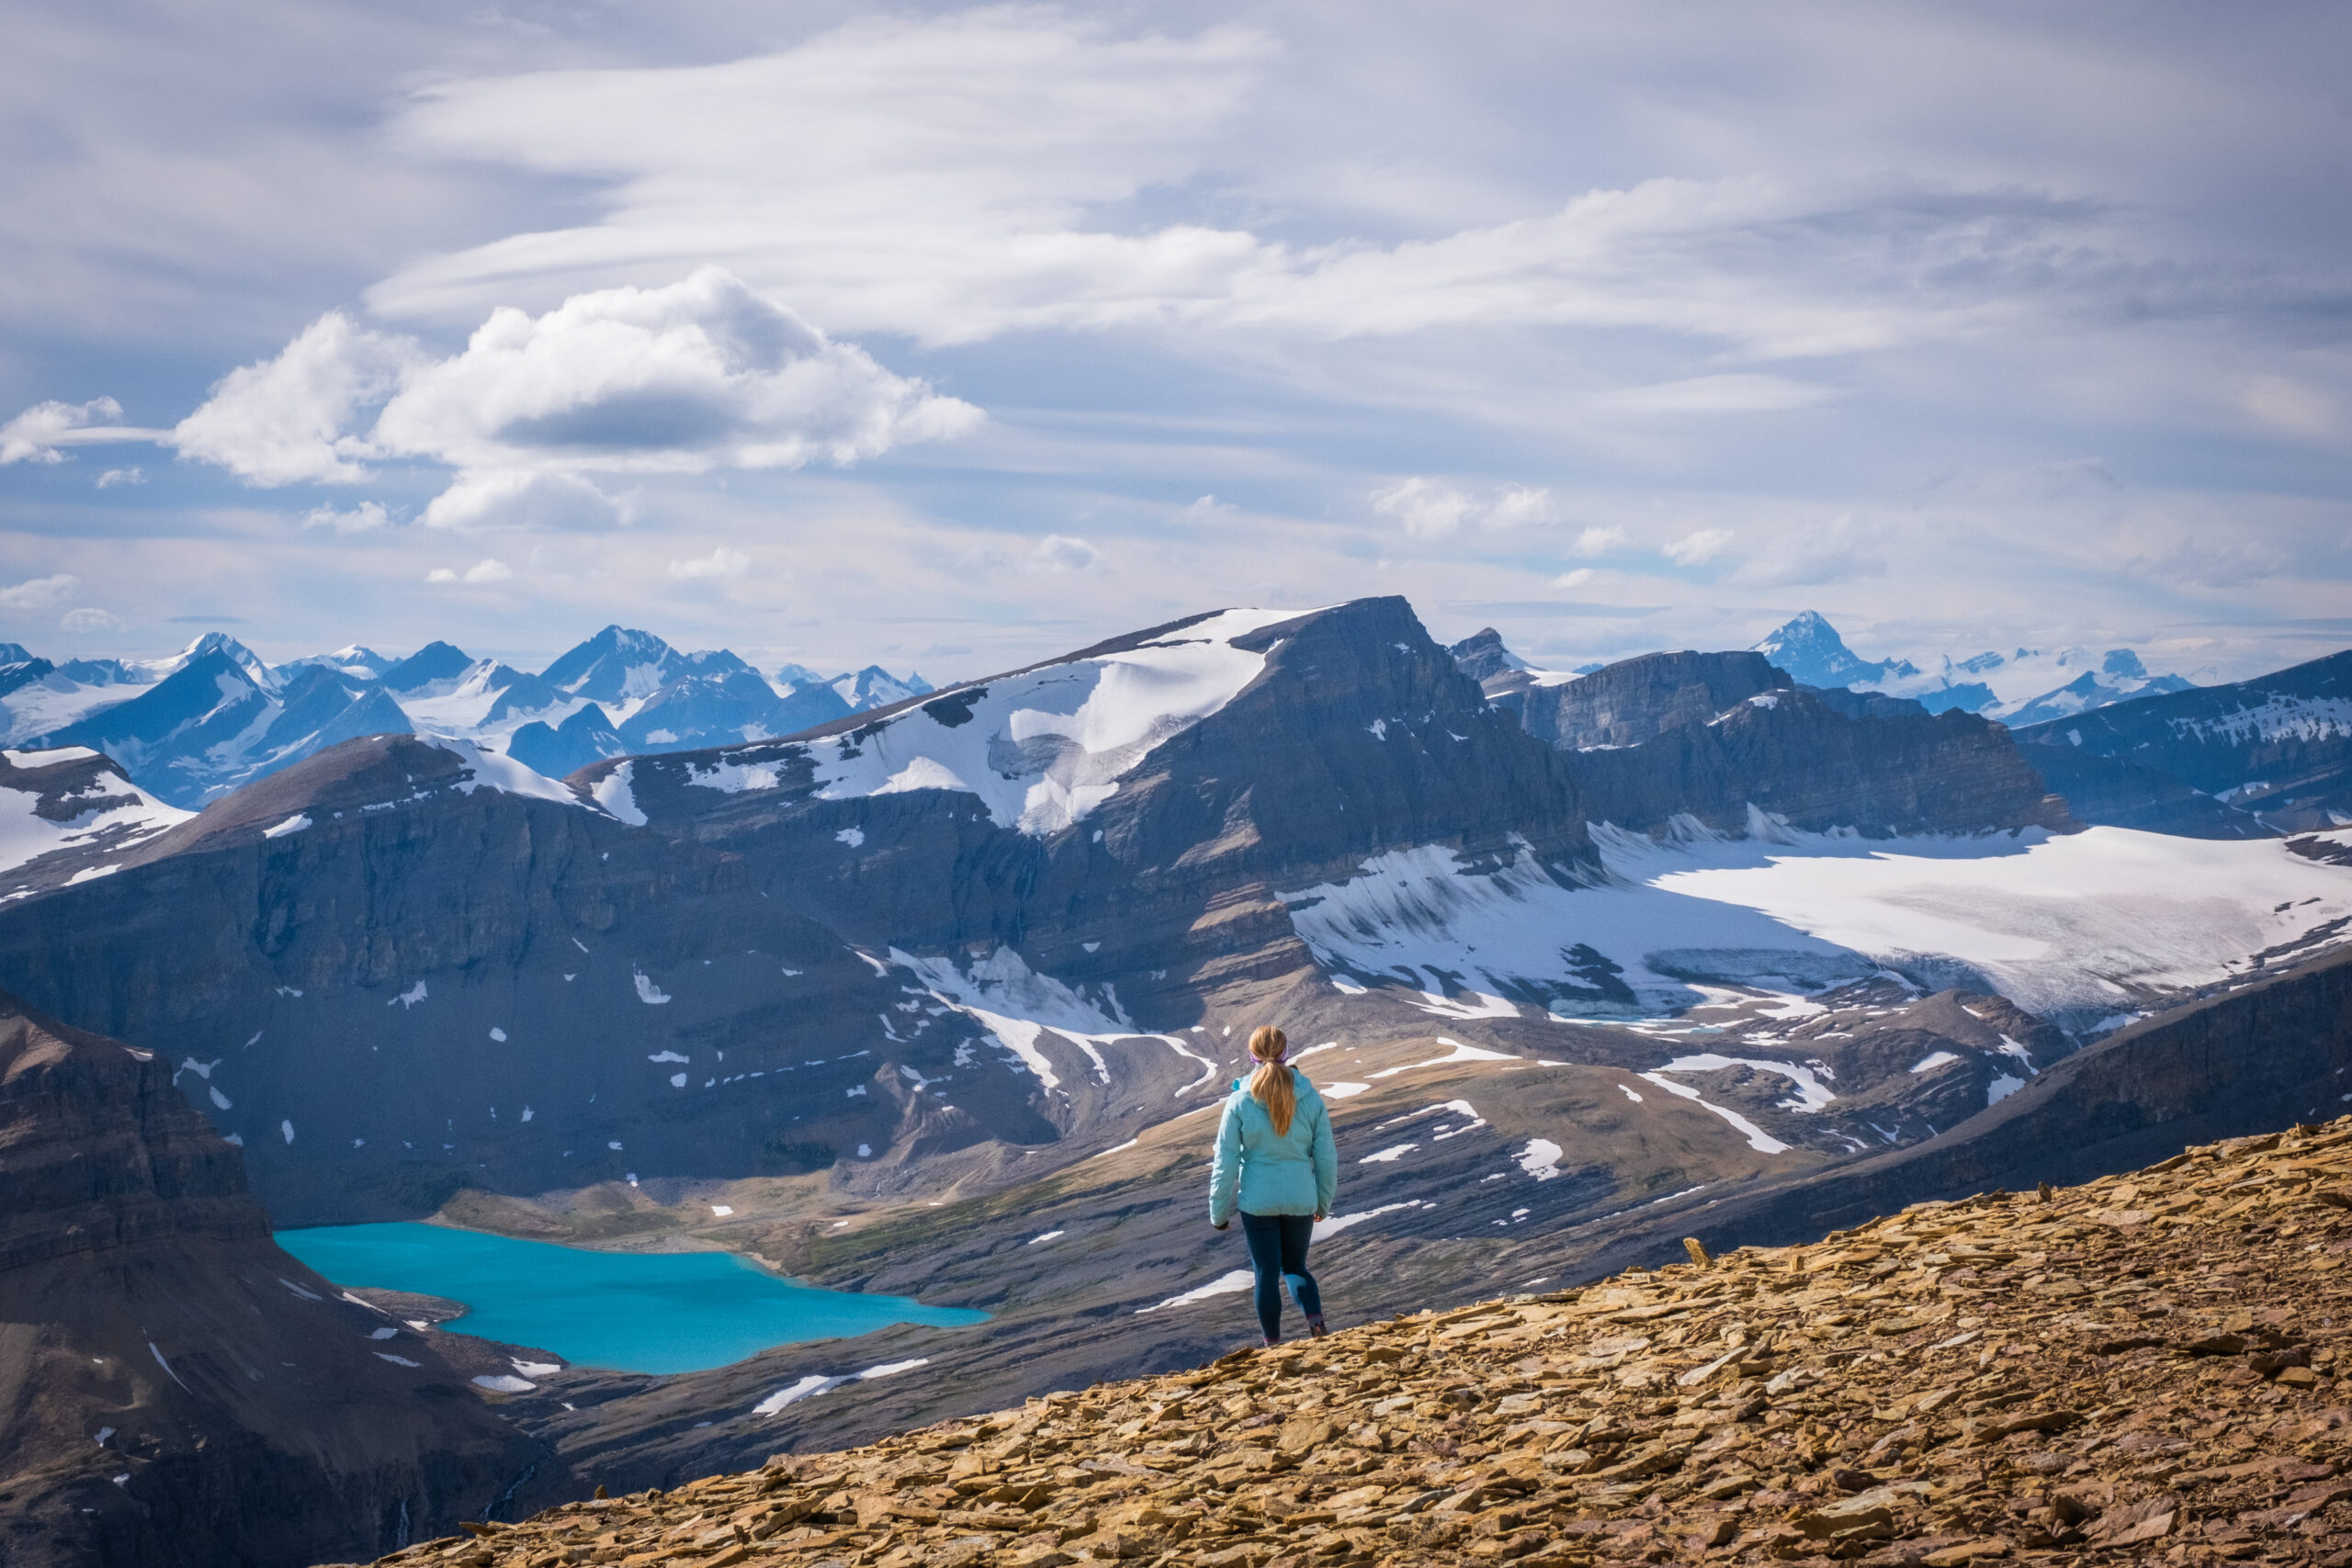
(1812, 1095)
(1223, 1285)
(1540, 1158)
(648, 992)
(293, 824)
(616, 792)
(1758, 1139)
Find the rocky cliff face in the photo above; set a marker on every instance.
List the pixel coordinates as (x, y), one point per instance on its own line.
(1639, 699)
(1712, 737)
(1794, 756)
(173, 1389)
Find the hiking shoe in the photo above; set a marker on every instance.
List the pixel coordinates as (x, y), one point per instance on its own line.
(1315, 1329)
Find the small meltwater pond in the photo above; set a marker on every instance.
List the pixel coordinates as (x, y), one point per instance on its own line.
(663, 1312)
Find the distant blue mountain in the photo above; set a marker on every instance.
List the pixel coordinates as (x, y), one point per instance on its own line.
(616, 665)
(586, 736)
(210, 725)
(433, 663)
(1813, 653)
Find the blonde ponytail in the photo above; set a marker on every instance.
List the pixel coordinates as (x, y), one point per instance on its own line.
(1271, 1085)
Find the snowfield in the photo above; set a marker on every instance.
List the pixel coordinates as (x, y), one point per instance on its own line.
(1043, 749)
(118, 806)
(2075, 927)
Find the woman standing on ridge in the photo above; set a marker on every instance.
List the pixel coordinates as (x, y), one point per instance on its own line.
(1275, 1164)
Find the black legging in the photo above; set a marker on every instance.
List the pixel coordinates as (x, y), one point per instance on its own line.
(1278, 1252)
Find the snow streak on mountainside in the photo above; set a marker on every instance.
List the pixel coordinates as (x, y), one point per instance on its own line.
(2075, 927)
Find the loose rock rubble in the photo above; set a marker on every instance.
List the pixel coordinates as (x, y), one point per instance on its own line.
(2145, 1369)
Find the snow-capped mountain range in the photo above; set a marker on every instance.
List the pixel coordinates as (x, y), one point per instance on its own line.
(194, 726)
(2026, 687)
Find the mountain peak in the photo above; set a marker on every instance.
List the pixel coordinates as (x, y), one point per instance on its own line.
(1810, 650)
(618, 663)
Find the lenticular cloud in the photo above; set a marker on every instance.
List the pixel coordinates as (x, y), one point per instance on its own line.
(699, 374)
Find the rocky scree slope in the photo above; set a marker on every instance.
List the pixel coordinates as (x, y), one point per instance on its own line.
(173, 1389)
(2147, 1364)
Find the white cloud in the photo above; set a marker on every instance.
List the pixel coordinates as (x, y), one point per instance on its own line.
(289, 420)
(1432, 509)
(525, 498)
(1207, 508)
(34, 435)
(88, 622)
(114, 477)
(1693, 549)
(480, 572)
(960, 177)
(720, 562)
(1597, 540)
(40, 593)
(699, 374)
(1056, 554)
(1575, 579)
(364, 518)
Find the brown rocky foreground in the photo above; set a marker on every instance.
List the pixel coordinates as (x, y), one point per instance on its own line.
(2144, 1369)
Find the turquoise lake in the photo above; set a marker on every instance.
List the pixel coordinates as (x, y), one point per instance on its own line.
(673, 1311)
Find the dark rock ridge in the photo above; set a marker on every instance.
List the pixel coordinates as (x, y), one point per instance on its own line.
(2117, 792)
(1635, 700)
(2277, 749)
(1792, 756)
(175, 1390)
(1717, 737)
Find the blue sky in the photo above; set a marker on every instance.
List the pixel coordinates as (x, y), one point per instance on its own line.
(955, 337)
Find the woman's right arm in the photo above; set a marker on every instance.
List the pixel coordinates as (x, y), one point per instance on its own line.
(1225, 1177)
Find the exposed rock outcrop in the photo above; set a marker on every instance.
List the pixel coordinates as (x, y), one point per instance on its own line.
(2148, 1364)
(175, 1390)
(1635, 700)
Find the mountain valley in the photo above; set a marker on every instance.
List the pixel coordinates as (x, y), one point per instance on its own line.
(936, 998)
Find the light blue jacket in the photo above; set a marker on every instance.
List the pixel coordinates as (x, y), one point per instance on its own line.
(1276, 1173)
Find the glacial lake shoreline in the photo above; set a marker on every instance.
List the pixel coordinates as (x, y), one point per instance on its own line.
(632, 1312)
